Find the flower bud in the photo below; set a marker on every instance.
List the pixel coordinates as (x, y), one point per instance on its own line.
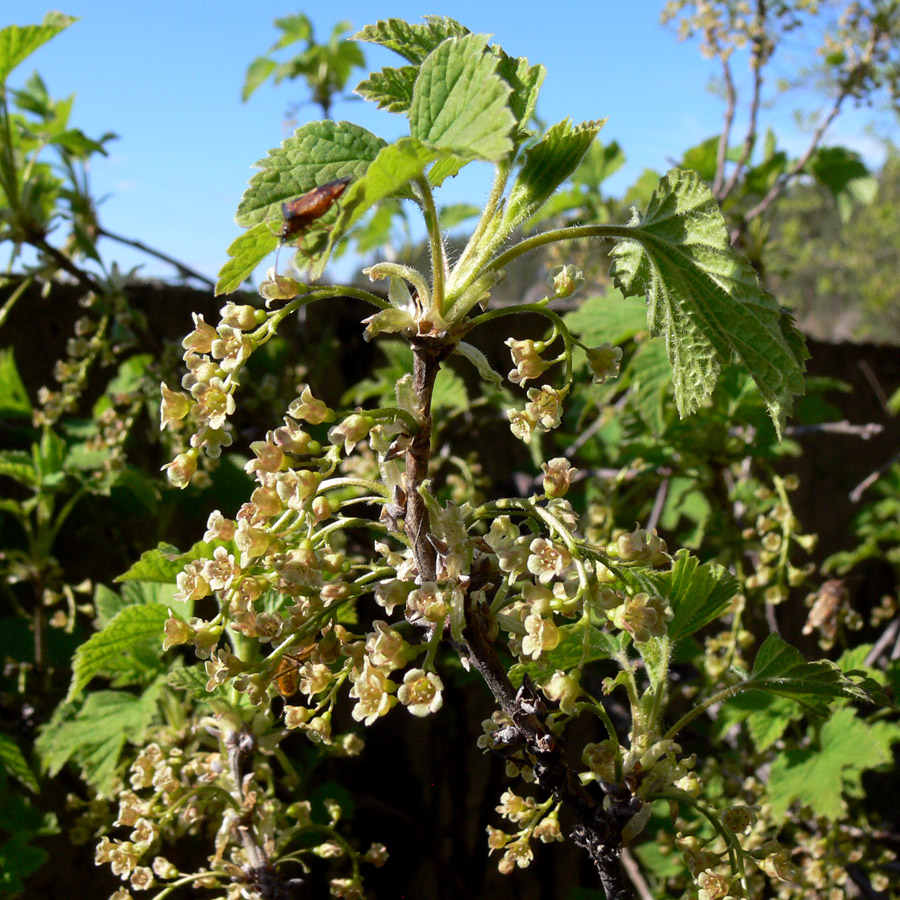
(565, 281)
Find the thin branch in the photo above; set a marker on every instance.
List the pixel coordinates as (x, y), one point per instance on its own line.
(779, 187)
(757, 61)
(633, 871)
(87, 281)
(869, 480)
(184, 270)
(725, 136)
(869, 430)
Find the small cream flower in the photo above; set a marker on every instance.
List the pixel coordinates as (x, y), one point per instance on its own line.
(420, 692)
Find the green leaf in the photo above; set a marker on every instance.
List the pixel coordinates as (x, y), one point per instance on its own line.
(390, 89)
(192, 680)
(18, 465)
(818, 777)
(246, 253)
(14, 400)
(547, 165)
(698, 593)
(705, 299)
(22, 821)
(257, 72)
(412, 42)
(766, 716)
(577, 644)
(131, 627)
(19, 42)
(525, 81)
(649, 374)
(315, 154)
(610, 318)
(13, 761)
(600, 161)
(94, 735)
(781, 669)
(389, 174)
(162, 563)
(455, 213)
(843, 172)
(703, 158)
(460, 102)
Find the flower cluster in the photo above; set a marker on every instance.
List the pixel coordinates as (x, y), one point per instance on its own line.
(214, 358)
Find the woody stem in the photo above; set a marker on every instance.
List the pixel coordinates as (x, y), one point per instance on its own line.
(426, 365)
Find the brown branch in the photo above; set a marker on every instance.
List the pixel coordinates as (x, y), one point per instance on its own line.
(757, 61)
(427, 358)
(63, 261)
(602, 817)
(725, 136)
(184, 270)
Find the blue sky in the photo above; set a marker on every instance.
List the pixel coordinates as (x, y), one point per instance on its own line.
(166, 76)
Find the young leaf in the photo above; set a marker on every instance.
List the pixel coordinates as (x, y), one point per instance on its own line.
(480, 361)
(575, 646)
(14, 401)
(192, 680)
(19, 42)
(162, 563)
(698, 593)
(781, 669)
(705, 298)
(315, 154)
(12, 760)
(389, 174)
(131, 627)
(246, 253)
(460, 102)
(817, 777)
(18, 465)
(390, 89)
(547, 165)
(525, 81)
(412, 42)
(95, 735)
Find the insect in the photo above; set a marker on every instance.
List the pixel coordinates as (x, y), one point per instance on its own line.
(287, 674)
(299, 214)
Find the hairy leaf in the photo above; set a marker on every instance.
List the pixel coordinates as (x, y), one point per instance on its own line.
(460, 102)
(547, 165)
(705, 299)
(246, 253)
(390, 89)
(190, 679)
(162, 563)
(389, 174)
(315, 154)
(412, 41)
(525, 81)
(130, 628)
